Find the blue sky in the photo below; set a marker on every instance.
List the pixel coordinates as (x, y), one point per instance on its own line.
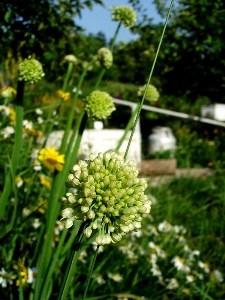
(99, 19)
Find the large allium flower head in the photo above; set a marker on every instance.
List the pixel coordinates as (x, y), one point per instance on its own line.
(124, 14)
(106, 191)
(30, 71)
(99, 105)
(152, 93)
(105, 57)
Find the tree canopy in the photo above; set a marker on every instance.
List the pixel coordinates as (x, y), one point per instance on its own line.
(45, 28)
(191, 62)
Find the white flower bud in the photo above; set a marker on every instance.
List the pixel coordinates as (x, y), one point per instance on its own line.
(67, 212)
(88, 232)
(68, 223)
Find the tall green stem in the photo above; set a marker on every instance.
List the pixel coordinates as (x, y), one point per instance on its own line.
(128, 127)
(115, 37)
(71, 114)
(90, 273)
(149, 79)
(54, 205)
(72, 262)
(16, 149)
(68, 74)
(102, 72)
(47, 281)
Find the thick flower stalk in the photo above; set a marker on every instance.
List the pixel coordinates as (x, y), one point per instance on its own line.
(105, 57)
(51, 159)
(152, 94)
(99, 105)
(106, 191)
(124, 14)
(30, 71)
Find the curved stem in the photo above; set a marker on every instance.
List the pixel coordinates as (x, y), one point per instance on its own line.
(129, 124)
(90, 274)
(149, 79)
(101, 74)
(72, 109)
(72, 262)
(115, 37)
(47, 281)
(71, 114)
(54, 205)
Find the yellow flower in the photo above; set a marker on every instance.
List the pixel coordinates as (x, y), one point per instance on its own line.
(63, 95)
(46, 181)
(51, 159)
(22, 272)
(12, 116)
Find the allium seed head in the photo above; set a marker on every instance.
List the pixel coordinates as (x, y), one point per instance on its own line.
(30, 71)
(99, 105)
(112, 207)
(105, 57)
(152, 94)
(124, 14)
(71, 58)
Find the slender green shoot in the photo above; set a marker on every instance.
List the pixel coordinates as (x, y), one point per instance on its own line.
(149, 79)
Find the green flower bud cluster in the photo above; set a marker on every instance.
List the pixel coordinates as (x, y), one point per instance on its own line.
(71, 58)
(105, 57)
(99, 105)
(106, 191)
(30, 71)
(152, 93)
(124, 14)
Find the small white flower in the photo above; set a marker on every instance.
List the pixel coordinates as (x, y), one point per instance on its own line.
(137, 233)
(100, 280)
(218, 276)
(75, 90)
(7, 132)
(164, 226)
(190, 278)
(38, 111)
(173, 284)
(160, 252)
(19, 181)
(40, 120)
(32, 275)
(5, 110)
(117, 277)
(27, 124)
(82, 256)
(204, 266)
(59, 227)
(26, 211)
(153, 230)
(36, 223)
(5, 278)
(180, 265)
(179, 229)
(37, 168)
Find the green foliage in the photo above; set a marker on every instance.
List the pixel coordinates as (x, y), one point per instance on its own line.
(183, 231)
(45, 28)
